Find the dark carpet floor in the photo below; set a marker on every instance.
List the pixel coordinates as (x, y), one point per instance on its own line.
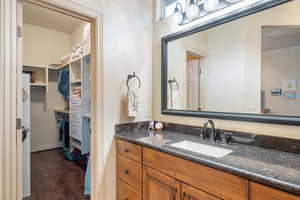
(55, 178)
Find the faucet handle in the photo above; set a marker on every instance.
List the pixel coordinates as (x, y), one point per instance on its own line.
(228, 137)
(201, 133)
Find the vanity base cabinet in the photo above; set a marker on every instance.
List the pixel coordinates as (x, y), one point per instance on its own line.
(147, 174)
(158, 186)
(262, 192)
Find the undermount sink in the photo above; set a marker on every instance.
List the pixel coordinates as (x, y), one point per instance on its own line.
(154, 140)
(208, 150)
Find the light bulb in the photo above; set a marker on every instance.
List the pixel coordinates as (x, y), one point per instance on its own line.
(192, 11)
(177, 15)
(177, 18)
(211, 5)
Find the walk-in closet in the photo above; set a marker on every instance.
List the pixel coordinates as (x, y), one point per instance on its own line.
(56, 105)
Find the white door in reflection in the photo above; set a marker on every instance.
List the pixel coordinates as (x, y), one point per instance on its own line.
(195, 65)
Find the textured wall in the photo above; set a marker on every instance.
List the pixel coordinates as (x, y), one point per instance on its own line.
(41, 47)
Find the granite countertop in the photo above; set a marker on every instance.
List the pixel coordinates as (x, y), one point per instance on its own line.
(274, 168)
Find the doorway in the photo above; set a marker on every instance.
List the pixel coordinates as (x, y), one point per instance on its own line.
(58, 65)
(195, 80)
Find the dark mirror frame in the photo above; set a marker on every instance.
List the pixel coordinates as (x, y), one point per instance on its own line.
(274, 119)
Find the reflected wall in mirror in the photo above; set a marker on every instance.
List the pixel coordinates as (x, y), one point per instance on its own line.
(249, 65)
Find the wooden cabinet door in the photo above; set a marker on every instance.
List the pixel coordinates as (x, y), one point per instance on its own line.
(191, 193)
(158, 186)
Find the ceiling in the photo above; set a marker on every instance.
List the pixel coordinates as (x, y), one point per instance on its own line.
(43, 17)
(279, 37)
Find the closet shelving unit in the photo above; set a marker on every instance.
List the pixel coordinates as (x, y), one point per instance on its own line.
(41, 75)
(79, 106)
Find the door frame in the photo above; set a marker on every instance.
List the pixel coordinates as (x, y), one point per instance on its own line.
(204, 63)
(10, 154)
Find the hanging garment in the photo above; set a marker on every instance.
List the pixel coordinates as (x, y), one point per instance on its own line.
(64, 137)
(133, 101)
(87, 185)
(63, 83)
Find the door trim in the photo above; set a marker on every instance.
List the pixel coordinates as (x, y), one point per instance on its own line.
(10, 176)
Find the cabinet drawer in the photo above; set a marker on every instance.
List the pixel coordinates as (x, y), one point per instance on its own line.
(129, 150)
(215, 182)
(191, 193)
(130, 172)
(261, 192)
(126, 192)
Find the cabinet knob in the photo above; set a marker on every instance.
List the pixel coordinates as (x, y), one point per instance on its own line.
(126, 171)
(126, 150)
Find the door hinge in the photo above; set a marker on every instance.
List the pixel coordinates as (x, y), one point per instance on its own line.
(19, 123)
(19, 31)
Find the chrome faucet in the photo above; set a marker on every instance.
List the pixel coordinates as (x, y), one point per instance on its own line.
(212, 133)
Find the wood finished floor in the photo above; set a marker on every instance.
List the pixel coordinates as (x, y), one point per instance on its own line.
(55, 178)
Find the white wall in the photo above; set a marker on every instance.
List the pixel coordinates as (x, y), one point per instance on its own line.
(78, 34)
(228, 49)
(127, 29)
(42, 47)
(279, 66)
(234, 67)
(177, 63)
(286, 14)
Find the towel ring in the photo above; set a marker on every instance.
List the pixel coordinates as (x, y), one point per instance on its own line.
(174, 81)
(131, 76)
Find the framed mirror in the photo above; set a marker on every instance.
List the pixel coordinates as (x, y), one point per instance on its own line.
(243, 66)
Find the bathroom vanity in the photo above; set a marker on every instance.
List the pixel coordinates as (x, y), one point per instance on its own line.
(152, 168)
(242, 65)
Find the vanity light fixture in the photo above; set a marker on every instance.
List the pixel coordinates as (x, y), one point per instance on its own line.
(177, 15)
(202, 8)
(192, 11)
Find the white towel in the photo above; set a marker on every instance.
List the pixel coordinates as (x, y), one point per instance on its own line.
(133, 101)
(174, 98)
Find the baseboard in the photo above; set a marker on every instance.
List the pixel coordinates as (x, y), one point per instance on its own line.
(46, 147)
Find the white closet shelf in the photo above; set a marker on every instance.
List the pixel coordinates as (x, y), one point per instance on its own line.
(76, 81)
(31, 66)
(87, 115)
(68, 63)
(53, 68)
(62, 111)
(41, 67)
(38, 84)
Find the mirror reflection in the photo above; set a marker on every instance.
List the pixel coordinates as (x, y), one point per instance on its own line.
(250, 65)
